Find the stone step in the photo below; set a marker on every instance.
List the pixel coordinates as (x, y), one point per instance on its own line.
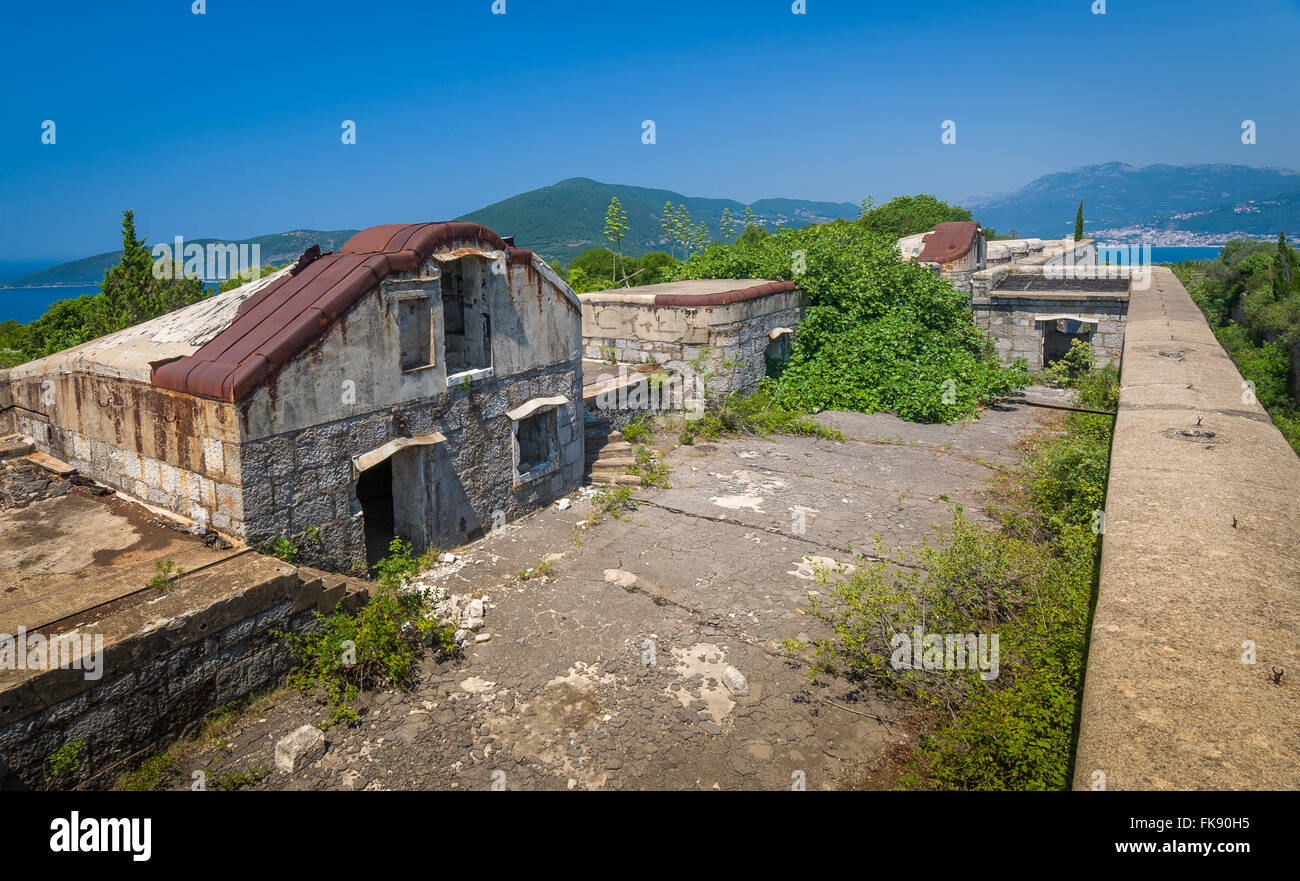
(326, 590)
(608, 462)
(51, 464)
(615, 480)
(614, 447)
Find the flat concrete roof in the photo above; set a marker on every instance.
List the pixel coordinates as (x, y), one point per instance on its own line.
(60, 557)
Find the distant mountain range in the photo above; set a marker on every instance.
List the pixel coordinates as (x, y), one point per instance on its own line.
(1162, 204)
(561, 221)
(1176, 203)
(276, 249)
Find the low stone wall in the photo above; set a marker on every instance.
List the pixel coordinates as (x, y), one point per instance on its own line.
(168, 662)
(1191, 677)
(671, 337)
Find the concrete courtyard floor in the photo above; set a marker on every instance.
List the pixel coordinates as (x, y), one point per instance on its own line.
(608, 673)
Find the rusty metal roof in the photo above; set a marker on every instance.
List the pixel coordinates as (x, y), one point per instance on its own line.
(949, 241)
(281, 320)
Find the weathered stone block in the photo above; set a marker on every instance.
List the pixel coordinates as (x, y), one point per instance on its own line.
(299, 749)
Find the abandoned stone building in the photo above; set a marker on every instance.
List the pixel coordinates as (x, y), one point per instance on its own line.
(743, 328)
(1035, 312)
(1032, 296)
(423, 382)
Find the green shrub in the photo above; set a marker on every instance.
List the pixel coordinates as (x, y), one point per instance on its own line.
(166, 575)
(280, 548)
(378, 646)
(640, 429)
(63, 762)
(880, 333)
(1073, 365)
(758, 413)
(612, 503)
(1029, 579)
(651, 472)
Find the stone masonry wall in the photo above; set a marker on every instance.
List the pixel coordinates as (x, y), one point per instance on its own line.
(673, 336)
(208, 499)
(160, 681)
(287, 484)
(301, 481)
(173, 451)
(1015, 333)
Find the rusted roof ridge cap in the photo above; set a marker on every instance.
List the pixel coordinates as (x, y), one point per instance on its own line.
(724, 298)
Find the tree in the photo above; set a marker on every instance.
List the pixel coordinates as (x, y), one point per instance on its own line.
(130, 293)
(126, 287)
(615, 228)
(727, 226)
(1078, 223)
(865, 206)
(669, 224)
(1281, 268)
(908, 215)
(682, 228)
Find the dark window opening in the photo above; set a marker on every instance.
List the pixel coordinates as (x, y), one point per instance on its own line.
(537, 438)
(375, 493)
(1056, 343)
(415, 322)
(467, 325)
(777, 353)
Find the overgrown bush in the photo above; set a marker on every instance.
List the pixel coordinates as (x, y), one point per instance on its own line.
(880, 333)
(378, 646)
(757, 413)
(1028, 578)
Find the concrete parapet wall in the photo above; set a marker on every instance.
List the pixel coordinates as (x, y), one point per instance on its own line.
(1199, 590)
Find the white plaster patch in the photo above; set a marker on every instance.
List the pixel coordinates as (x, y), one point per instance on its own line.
(809, 567)
(701, 666)
(735, 503)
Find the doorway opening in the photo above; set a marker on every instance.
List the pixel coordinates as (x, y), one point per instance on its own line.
(1057, 337)
(375, 493)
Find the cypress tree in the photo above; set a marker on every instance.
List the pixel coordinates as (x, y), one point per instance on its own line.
(1281, 268)
(1078, 223)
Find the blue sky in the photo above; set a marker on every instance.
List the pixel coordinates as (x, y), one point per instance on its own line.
(228, 124)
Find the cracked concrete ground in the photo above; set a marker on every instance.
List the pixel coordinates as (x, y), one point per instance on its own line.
(608, 674)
